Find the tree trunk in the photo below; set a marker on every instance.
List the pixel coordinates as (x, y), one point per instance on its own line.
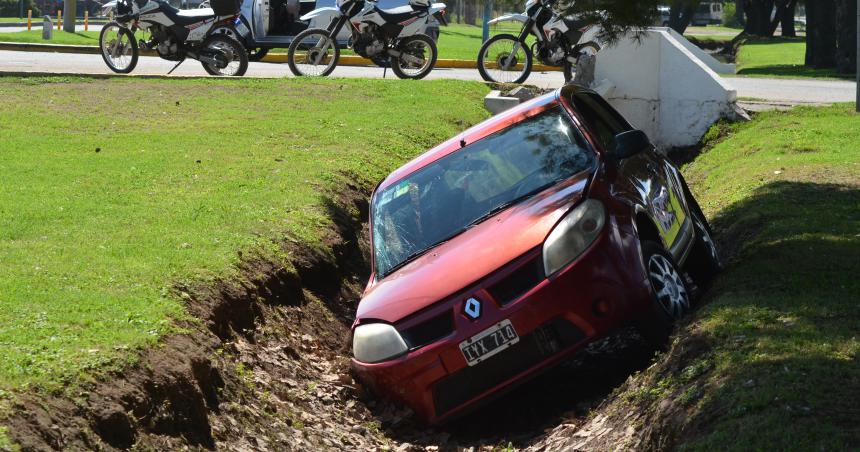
(471, 11)
(680, 16)
(824, 34)
(740, 6)
(787, 19)
(758, 18)
(846, 40)
(811, 17)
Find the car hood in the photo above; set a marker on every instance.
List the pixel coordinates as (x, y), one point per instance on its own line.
(470, 256)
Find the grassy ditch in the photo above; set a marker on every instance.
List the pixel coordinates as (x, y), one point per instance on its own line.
(772, 359)
(107, 205)
(783, 373)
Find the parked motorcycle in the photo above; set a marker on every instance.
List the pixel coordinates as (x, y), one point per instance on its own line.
(558, 41)
(391, 37)
(205, 34)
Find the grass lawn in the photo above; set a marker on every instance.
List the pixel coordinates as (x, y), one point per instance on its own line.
(784, 319)
(60, 37)
(105, 207)
(462, 42)
(778, 57)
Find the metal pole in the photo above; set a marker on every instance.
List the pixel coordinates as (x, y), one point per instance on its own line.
(857, 101)
(21, 8)
(487, 12)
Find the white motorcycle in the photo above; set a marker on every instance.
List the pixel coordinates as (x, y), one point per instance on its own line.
(387, 37)
(205, 34)
(558, 41)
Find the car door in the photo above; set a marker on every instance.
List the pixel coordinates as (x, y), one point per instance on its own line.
(646, 180)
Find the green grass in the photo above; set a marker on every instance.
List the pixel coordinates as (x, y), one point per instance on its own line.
(59, 37)
(778, 57)
(106, 205)
(784, 194)
(703, 37)
(712, 29)
(462, 42)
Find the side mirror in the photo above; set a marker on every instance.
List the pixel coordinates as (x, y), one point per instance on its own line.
(629, 143)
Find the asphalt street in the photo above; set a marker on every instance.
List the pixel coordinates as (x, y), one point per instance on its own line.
(791, 91)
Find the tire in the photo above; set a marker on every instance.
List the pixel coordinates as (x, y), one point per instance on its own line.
(257, 53)
(670, 296)
(485, 67)
(296, 60)
(113, 57)
(413, 42)
(237, 57)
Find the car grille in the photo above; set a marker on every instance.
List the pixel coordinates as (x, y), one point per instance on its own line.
(430, 331)
(530, 351)
(518, 282)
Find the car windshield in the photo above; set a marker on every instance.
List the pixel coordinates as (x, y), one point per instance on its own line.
(465, 187)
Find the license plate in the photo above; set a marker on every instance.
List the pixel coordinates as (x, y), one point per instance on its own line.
(489, 342)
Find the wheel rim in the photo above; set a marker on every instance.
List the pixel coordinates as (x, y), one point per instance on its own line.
(315, 55)
(230, 54)
(668, 286)
(504, 60)
(415, 58)
(117, 47)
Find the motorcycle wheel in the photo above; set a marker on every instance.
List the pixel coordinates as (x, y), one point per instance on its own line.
(496, 52)
(313, 53)
(237, 57)
(257, 54)
(118, 48)
(419, 46)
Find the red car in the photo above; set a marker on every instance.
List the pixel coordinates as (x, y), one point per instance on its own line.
(510, 246)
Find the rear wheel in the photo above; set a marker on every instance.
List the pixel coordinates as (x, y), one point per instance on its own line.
(313, 53)
(417, 57)
(670, 297)
(234, 53)
(118, 48)
(504, 59)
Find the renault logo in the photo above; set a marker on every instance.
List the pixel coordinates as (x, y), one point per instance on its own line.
(472, 308)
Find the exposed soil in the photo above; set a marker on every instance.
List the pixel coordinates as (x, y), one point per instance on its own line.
(266, 368)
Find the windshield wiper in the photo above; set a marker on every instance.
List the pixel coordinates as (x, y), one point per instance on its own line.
(411, 258)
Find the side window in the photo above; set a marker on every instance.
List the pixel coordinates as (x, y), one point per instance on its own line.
(600, 118)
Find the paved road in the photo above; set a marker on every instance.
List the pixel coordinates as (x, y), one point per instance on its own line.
(771, 90)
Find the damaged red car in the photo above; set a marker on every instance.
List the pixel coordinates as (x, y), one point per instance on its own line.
(516, 243)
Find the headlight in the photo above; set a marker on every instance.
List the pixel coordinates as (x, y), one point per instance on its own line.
(377, 342)
(572, 235)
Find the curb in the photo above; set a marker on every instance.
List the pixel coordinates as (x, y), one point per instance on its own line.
(346, 60)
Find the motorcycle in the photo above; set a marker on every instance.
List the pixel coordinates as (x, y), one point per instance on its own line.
(558, 41)
(391, 37)
(205, 35)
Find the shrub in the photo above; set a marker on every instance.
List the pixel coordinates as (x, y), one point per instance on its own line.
(12, 8)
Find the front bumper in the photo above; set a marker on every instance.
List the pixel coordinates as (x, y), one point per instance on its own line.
(554, 318)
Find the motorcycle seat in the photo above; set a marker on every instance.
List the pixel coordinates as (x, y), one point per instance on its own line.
(186, 16)
(400, 14)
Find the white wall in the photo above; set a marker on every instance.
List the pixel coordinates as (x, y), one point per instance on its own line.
(663, 88)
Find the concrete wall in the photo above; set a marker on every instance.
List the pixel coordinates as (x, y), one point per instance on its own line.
(663, 88)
